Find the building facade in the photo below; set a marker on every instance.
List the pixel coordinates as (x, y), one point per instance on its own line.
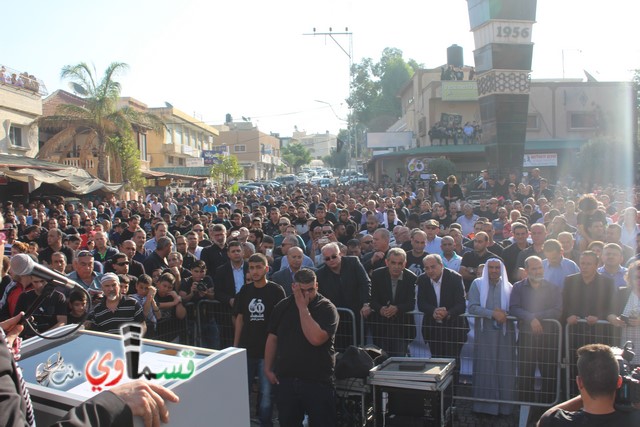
(182, 141)
(20, 106)
(319, 144)
(563, 115)
(258, 153)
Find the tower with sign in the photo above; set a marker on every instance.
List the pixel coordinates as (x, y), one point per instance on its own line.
(502, 33)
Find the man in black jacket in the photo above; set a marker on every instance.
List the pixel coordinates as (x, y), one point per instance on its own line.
(115, 407)
(441, 298)
(346, 284)
(392, 296)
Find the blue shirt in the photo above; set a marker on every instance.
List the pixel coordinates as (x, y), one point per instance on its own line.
(238, 276)
(617, 277)
(557, 274)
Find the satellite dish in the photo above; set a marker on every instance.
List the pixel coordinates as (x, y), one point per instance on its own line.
(168, 104)
(78, 89)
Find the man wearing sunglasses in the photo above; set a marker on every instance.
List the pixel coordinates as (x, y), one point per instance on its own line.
(344, 281)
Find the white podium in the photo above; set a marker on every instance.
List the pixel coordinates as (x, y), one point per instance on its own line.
(217, 387)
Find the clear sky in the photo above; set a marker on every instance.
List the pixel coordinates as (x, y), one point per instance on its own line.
(250, 57)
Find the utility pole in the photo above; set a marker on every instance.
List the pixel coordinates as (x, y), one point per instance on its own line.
(349, 52)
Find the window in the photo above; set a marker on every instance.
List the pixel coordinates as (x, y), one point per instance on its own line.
(15, 136)
(583, 120)
(170, 160)
(178, 136)
(239, 148)
(168, 135)
(142, 146)
(532, 122)
(180, 161)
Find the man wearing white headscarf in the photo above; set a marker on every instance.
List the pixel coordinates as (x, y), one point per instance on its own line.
(494, 362)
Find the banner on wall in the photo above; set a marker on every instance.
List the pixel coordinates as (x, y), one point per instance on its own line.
(540, 160)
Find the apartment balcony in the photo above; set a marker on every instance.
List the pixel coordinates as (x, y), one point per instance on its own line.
(89, 165)
(172, 148)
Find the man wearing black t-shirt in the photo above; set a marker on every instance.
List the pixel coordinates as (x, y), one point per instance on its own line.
(51, 313)
(253, 308)
(598, 380)
(299, 355)
(471, 260)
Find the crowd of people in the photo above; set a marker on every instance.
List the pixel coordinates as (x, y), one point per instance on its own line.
(278, 264)
(469, 133)
(24, 79)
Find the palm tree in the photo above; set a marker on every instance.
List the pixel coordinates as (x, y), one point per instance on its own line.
(98, 115)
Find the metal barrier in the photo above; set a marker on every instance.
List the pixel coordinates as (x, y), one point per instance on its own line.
(214, 325)
(602, 332)
(173, 329)
(346, 332)
(496, 367)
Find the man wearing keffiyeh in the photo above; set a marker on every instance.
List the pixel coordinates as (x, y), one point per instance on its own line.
(494, 362)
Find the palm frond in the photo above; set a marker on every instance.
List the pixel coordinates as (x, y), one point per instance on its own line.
(82, 75)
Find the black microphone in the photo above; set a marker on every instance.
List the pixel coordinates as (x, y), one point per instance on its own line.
(24, 265)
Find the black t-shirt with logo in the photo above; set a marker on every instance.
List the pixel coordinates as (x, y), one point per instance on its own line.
(414, 263)
(256, 305)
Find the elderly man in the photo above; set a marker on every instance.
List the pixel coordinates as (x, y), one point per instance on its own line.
(441, 298)
(128, 247)
(376, 259)
(344, 281)
(392, 296)
(115, 310)
(282, 262)
(83, 272)
(494, 363)
(284, 277)
(433, 241)
(556, 266)
(103, 252)
(532, 301)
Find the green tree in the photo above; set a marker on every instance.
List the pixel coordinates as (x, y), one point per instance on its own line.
(296, 155)
(602, 161)
(442, 168)
(99, 115)
(375, 86)
(337, 160)
(129, 160)
(226, 170)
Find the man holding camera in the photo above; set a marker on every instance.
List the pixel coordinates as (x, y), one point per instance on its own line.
(598, 380)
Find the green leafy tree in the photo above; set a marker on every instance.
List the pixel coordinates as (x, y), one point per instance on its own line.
(296, 155)
(129, 160)
(442, 168)
(375, 86)
(99, 115)
(226, 170)
(337, 160)
(601, 161)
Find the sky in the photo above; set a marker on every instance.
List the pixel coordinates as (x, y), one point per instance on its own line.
(252, 58)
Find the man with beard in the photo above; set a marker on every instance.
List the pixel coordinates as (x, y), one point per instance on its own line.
(115, 310)
(533, 300)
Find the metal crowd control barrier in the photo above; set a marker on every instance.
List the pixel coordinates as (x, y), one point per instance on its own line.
(496, 365)
(346, 333)
(578, 335)
(214, 325)
(173, 329)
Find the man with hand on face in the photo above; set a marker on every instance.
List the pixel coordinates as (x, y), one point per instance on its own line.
(299, 354)
(254, 304)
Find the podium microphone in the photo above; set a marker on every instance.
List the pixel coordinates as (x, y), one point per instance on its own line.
(131, 337)
(24, 265)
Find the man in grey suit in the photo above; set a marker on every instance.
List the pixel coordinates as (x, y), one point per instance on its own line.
(284, 277)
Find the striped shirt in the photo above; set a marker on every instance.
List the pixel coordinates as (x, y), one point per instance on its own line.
(105, 320)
